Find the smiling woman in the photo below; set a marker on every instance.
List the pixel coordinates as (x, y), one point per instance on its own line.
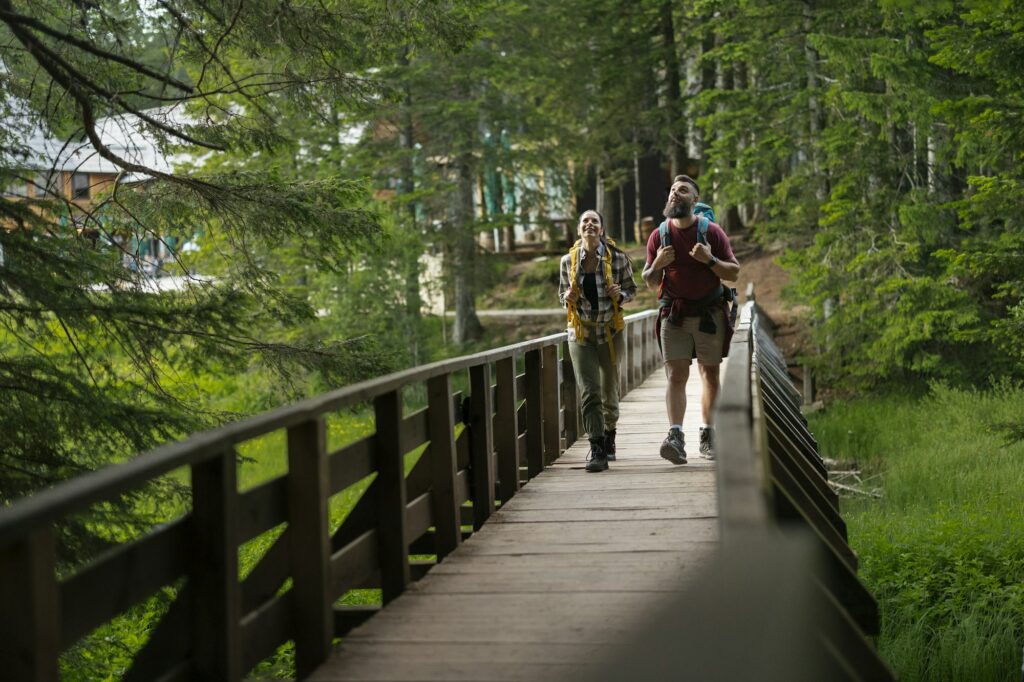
(596, 279)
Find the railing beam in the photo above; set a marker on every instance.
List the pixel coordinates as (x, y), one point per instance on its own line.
(213, 571)
(391, 495)
(30, 624)
(534, 414)
(481, 443)
(441, 431)
(507, 429)
(309, 544)
(551, 405)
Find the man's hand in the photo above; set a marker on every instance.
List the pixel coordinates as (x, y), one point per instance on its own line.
(666, 254)
(572, 296)
(701, 253)
(615, 292)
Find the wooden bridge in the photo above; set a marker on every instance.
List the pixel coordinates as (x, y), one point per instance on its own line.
(536, 569)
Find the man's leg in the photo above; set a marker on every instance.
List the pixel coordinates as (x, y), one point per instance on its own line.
(677, 350)
(709, 359)
(678, 372)
(712, 383)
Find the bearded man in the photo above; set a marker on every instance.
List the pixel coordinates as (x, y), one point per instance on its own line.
(688, 271)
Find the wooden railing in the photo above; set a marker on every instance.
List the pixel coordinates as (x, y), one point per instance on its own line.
(787, 577)
(219, 627)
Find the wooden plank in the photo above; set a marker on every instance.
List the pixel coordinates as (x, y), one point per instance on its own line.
(268, 575)
(309, 543)
(481, 444)
(267, 628)
(418, 517)
(441, 432)
(261, 508)
(351, 464)
(551, 404)
(166, 651)
(121, 578)
(30, 624)
(534, 414)
(506, 428)
(213, 570)
(391, 500)
(354, 564)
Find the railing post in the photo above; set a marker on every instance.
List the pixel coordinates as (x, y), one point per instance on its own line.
(309, 544)
(634, 363)
(552, 406)
(570, 398)
(506, 434)
(481, 443)
(391, 496)
(534, 414)
(30, 624)
(441, 431)
(216, 605)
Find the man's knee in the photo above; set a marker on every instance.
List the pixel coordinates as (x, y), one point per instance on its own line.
(677, 371)
(710, 372)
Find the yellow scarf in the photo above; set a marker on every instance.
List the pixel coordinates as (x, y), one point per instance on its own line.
(573, 314)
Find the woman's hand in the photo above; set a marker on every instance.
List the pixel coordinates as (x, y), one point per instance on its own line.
(615, 292)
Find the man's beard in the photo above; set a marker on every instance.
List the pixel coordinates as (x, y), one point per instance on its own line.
(680, 210)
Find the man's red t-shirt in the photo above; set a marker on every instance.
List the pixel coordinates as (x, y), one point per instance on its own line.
(687, 277)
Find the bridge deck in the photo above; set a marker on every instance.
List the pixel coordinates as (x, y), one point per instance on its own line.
(573, 563)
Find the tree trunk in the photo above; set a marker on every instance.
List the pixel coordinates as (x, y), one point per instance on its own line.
(673, 97)
(636, 194)
(467, 324)
(407, 184)
(816, 124)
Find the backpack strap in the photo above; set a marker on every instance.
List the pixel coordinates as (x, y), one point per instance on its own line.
(702, 229)
(663, 235)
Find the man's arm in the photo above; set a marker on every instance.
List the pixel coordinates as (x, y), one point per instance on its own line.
(653, 271)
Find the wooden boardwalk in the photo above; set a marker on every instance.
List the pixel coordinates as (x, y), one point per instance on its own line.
(574, 563)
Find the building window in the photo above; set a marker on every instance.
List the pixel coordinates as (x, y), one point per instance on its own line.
(80, 186)
(15, 188)
(49, 184)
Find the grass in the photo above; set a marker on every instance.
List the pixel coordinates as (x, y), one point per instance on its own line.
(943, 549)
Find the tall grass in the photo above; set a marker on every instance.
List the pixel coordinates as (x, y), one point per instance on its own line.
(943, 549)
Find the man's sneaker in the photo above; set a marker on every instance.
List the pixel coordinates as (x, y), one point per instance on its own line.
(672, 448)
(596, 459)
(609, 445)
(707, 442)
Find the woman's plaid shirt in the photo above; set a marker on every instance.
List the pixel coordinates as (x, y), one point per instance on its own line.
(622, 274)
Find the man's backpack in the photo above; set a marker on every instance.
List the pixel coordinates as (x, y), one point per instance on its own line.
(705, 215)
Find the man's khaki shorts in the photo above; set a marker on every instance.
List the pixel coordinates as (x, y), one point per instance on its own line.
(677, 342)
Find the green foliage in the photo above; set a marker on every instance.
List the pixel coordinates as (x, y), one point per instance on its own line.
(884, 144)
(943, 550)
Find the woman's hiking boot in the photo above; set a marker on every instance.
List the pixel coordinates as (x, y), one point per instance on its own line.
(672, 447)
(597, 460)
(609, 445)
